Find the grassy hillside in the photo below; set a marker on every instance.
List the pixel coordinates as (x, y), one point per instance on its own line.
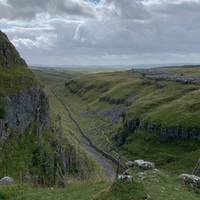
(16, 79)
(156, 101)
(164, 102)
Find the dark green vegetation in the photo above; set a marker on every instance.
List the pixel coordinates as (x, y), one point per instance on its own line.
(32, 159)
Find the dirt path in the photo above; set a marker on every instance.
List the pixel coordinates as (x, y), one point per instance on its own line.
(106, 161)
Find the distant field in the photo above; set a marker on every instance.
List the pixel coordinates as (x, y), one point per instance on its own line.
(83, 69)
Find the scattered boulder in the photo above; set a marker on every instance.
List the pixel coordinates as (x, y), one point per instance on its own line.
(125, 178)
(145, 165)
(192, 181)
(6, 181)
(130, 164)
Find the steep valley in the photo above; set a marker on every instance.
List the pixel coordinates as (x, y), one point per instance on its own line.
(65, 134)
(157, 124)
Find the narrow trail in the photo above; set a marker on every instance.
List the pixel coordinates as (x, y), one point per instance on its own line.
(103, 159)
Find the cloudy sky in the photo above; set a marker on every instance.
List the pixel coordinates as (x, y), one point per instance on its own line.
(103, 32)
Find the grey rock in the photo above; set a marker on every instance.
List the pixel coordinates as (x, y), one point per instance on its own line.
(130, 164)
(115, 101)
(6, 181)
(191, 181)
(144, 165)
(22, 109)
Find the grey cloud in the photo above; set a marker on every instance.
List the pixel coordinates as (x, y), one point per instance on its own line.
(79, 31)
(28, 9)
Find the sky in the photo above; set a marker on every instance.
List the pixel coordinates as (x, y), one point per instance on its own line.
(103, 32)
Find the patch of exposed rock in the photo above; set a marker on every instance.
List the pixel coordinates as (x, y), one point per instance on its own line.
(178, 133)
(115, 101)
(144, 165)
(23, 109)
(191, 181)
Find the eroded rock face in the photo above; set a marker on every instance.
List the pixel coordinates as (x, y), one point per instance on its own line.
(22, 109)
(178, 133)
(166, 132)
(115, 101)
(191, 181)
(9, 57)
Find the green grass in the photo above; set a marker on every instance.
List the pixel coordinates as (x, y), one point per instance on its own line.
(74, 191)
(123, 191)
(161, 186)
(15, 79)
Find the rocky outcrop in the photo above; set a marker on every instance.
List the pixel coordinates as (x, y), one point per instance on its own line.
(115, 101)
(178, 133)
(9, 57)
(159, 74)
(23, 109)
(191, 181)
(77, 88)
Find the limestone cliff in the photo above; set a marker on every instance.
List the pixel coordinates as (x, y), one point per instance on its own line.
(22, 101)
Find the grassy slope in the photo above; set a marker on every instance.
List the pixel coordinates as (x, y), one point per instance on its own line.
(74, 191)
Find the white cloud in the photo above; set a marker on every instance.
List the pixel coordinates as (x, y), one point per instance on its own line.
(41, 42)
